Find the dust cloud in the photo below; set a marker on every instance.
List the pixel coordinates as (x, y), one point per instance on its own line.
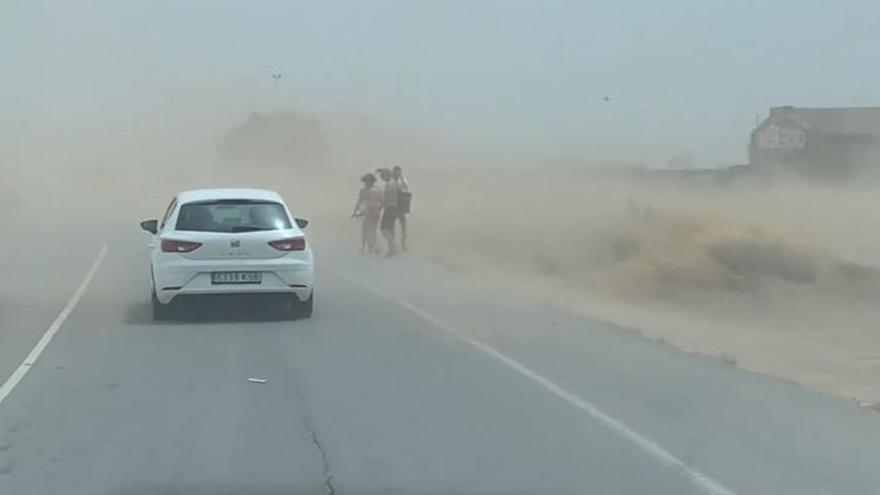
(775, 275)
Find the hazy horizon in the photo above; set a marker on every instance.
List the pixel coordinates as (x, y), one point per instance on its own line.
(687, 78)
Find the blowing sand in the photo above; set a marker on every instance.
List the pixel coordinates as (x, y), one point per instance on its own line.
(777, 279)
(781, 278)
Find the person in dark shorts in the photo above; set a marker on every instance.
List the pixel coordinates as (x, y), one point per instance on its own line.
(403, 202)
(390, 210)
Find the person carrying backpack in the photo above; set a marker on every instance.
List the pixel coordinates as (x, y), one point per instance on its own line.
(403, 203)
(390, 210)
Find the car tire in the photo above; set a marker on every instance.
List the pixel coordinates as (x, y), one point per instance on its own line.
(301, 310)
(161, 312)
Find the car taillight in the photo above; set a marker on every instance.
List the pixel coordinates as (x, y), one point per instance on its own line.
(292, 244)
(172, 246)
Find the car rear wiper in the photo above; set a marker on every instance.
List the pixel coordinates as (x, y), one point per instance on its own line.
(249, 228)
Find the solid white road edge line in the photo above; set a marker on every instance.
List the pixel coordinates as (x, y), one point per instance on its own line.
(38, 349)
(700, 479)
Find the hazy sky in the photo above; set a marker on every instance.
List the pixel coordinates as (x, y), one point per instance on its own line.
(682, 76)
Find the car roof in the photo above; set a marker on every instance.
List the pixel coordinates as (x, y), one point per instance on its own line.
(228, 193)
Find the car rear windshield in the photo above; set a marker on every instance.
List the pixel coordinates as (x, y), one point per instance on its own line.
(232, 216)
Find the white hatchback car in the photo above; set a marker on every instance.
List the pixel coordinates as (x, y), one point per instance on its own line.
(230, 241)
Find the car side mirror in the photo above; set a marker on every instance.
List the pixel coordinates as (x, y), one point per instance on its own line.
(151, 226)
(301, 222)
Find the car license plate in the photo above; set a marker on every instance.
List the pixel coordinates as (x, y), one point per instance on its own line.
(219, 278)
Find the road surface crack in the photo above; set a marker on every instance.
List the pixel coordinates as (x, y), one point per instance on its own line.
(328, 476)
(327, 473)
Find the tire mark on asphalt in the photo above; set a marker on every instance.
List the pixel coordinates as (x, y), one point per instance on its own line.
(6, 466)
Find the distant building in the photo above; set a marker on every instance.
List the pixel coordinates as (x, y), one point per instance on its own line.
(820, 142)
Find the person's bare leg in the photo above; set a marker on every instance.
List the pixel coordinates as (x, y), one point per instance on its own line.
(374, 243)
(403, 232)
(389, 237)
(365, 236)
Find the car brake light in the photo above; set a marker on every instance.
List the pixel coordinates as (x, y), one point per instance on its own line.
(172, 246)
(292, 244)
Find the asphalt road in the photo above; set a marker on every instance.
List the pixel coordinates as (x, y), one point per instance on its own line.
(410, 379)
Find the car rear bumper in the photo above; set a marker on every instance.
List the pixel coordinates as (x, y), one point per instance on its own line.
(285, 275)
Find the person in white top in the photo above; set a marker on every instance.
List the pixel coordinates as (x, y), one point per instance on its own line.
(403, 202)
(390, 197)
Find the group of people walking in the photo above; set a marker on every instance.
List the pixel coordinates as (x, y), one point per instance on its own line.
(380, 208)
